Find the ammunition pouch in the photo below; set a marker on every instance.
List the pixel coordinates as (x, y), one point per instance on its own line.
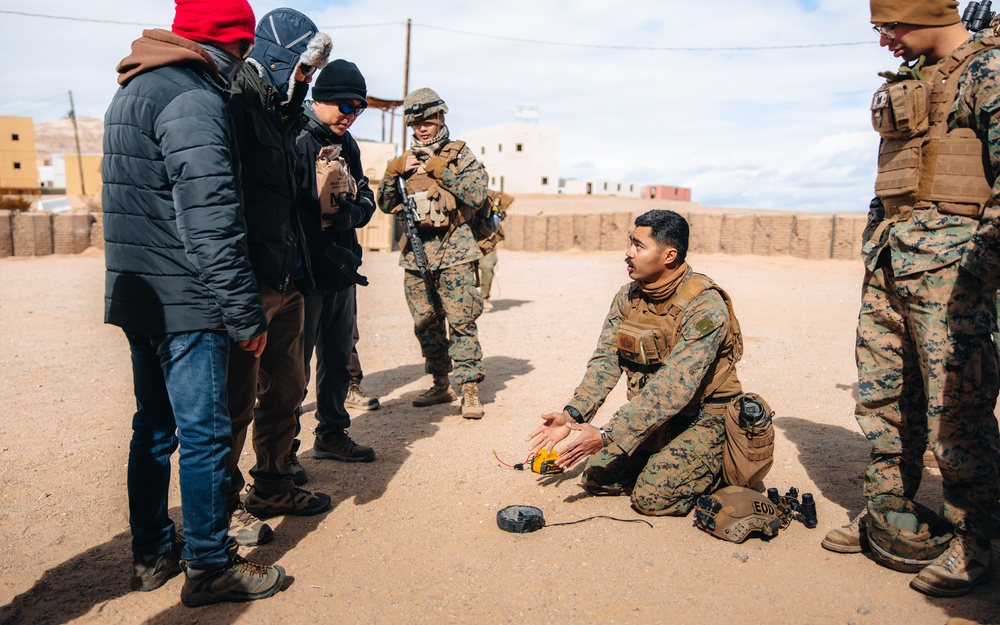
(642, 344)
(900, 110)
(436, 207)
(748, 453)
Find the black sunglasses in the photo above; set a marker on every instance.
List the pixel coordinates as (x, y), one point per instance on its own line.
(307, 70)
(347, 107)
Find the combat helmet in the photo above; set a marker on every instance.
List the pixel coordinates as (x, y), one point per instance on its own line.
(904, 535)
(422, 104)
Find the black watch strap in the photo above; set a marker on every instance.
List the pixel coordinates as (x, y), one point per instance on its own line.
(573, 412)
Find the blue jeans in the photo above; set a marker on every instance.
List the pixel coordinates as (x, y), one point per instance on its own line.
(180, 396)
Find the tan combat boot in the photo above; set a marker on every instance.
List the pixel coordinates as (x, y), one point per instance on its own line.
(955, 572)
(849, 538)
(440, 393)
(471, 408)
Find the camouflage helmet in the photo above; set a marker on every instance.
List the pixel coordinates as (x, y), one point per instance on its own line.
(422, 104)
(733, 512)
(904, 535)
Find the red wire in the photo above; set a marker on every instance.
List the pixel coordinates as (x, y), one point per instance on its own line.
(501, 461)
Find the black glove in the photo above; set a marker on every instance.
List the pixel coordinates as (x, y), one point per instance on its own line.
(344, 219)
(347, 262)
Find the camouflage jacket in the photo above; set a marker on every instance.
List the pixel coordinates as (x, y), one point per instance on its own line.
(931, 239)
(469, 188)
(672, 390)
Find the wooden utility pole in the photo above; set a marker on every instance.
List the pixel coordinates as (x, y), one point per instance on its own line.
(76, 135)
(406, 79)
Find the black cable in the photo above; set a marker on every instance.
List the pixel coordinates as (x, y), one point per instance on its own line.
(600, 516)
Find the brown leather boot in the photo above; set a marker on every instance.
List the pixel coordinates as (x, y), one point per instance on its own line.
(471, 408)
(440, 393)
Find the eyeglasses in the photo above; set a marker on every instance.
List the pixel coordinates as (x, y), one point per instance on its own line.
(346, 107)
(246, 47)
(307, 70)
(886, 30)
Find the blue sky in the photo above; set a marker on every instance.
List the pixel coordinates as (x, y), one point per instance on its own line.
(766, 128)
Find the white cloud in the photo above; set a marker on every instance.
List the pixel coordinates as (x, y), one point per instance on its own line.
(780, 128)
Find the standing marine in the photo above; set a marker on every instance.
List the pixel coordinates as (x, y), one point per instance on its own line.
(448, 185)
(927, 365)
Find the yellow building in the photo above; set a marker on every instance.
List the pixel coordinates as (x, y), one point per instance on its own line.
(18, 169)
(91, 174)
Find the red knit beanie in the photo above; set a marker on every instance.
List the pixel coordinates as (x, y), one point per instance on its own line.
(224, 21)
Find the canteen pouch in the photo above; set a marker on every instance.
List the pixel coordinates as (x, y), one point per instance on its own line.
(900, 109)
(749, 450)
(642, 344)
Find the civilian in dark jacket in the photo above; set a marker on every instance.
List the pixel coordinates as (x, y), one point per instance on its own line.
(180, 285)
(330, 225)
(267, 96)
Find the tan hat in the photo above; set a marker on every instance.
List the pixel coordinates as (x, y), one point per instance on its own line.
(917, 12)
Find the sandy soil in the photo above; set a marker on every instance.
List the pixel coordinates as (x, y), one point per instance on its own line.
(412, 538)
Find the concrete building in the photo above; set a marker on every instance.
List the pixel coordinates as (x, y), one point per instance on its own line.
(18, 169)
(667, 192)
(573, 186)
(520, 157)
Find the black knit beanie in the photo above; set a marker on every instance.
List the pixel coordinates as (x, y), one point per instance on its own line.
(340, 80)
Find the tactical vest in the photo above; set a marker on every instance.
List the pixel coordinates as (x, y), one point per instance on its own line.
(437, 208)
(649, 332)
(921, 164)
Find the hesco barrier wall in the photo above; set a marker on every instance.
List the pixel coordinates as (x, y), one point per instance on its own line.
(799, 235)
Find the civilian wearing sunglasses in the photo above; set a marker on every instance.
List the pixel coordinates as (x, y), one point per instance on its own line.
(340, 95)
(927, 364)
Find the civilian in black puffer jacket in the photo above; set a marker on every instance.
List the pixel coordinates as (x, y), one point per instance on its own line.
(331, 230)
(267, 97)
(180, 284)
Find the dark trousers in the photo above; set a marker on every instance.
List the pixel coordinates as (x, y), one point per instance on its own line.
(331, 328)
(274, 382)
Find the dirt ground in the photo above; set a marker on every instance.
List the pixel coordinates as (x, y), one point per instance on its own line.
(412, 538)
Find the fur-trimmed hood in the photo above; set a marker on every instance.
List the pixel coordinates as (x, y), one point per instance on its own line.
(285, 39)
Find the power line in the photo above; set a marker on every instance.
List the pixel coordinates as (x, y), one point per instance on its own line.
(121, 23)
(540, 42)
(646, 48)
(77, 19)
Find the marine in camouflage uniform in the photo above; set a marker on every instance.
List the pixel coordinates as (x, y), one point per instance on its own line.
(665, 445)
(927, 365)
(448, 343)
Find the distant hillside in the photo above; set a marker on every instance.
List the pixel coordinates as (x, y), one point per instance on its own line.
(56, 137)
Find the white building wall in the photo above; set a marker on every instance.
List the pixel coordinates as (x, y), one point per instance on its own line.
(520, 157)
(600, 186)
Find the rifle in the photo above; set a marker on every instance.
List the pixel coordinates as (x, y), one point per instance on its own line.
(410, 220)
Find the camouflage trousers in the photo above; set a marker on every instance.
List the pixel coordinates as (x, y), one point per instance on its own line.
(927, 374)
(454, 339)
(668, 472)
(487, 268)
